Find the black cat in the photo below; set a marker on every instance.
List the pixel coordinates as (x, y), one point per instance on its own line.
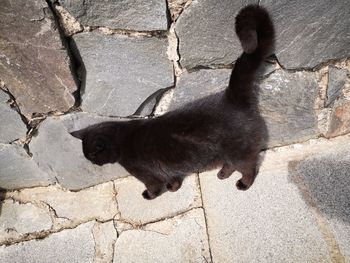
(222, 130)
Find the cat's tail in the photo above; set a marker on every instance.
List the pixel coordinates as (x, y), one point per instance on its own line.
(256, 33)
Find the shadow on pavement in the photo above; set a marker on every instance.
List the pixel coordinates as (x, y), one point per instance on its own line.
(326, 178)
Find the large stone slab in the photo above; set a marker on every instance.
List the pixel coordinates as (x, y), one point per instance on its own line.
(134, 208)
(33, 62)
(97, 202)
(121, 72)
(286, 100)
(127, 14)
(196, 85)
(74, 245)
(60, 155)
(268, 223)
(179, 239)
(206, 31)
(18, 219)
(310, 32)
(18, 170)
(327, 180)
(12, 127)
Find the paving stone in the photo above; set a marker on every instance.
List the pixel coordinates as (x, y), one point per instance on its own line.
(267, 223)
(64, 159)
(105, 237)
(209, 26)
(121, 72)
(318, 33)
(336, 82)
(12, 127)
(19, 219)
(74, 245)
(176, 7)
(286, 100)
(340, 118)
(327, 180)
(179, 239)
(97, 202)
(33, 62)
(18, 170)
(127, 14)
(134, 208)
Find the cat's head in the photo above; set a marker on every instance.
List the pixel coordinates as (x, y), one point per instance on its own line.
(98, 144)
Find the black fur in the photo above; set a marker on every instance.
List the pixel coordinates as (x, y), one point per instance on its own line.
(222, 130)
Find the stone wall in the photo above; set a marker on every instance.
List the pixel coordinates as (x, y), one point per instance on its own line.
(67, 64)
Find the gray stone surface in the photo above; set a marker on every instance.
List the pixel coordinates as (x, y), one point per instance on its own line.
(75, 245)
(127, 14)
(33, 63)
(18, 170)
(12, 127)
(196, 85)
(206, 32)
(179, 239)
(340, 118)
(287, 102)
(310, 32)
(121, 72)
(336, 82)
(327, 178)
(60, 155)
(267, 223)
(134, 208)
(92, 203)
(19, 219)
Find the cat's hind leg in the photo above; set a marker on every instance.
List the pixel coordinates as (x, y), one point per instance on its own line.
(249, 172)
(174, 183)
(226, 171)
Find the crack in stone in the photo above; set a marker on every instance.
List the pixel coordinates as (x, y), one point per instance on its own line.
(205, 218)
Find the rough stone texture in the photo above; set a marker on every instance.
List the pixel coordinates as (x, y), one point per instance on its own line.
(12, 127)
(336, 82)
(287, 102)
(68, 23)
(134, 208)
(18, 170)
(268, 223)
(176, 7)
(33, 63)
(19, 219)
(127, 14)
(180, 239)
(121, 72)
(207, 33)
(75, 245)
(340, 118)
(93, 203)
(196, 85)
(60, 155)
(318, 33)
(326, 176)
(105, 237)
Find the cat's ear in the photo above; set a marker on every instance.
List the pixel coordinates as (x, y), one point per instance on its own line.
(79, 133)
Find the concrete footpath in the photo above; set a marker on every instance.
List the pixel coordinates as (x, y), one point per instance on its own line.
(298, 210)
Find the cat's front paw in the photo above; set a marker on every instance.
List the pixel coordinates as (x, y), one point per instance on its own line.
(148, 195)
(241, 186)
